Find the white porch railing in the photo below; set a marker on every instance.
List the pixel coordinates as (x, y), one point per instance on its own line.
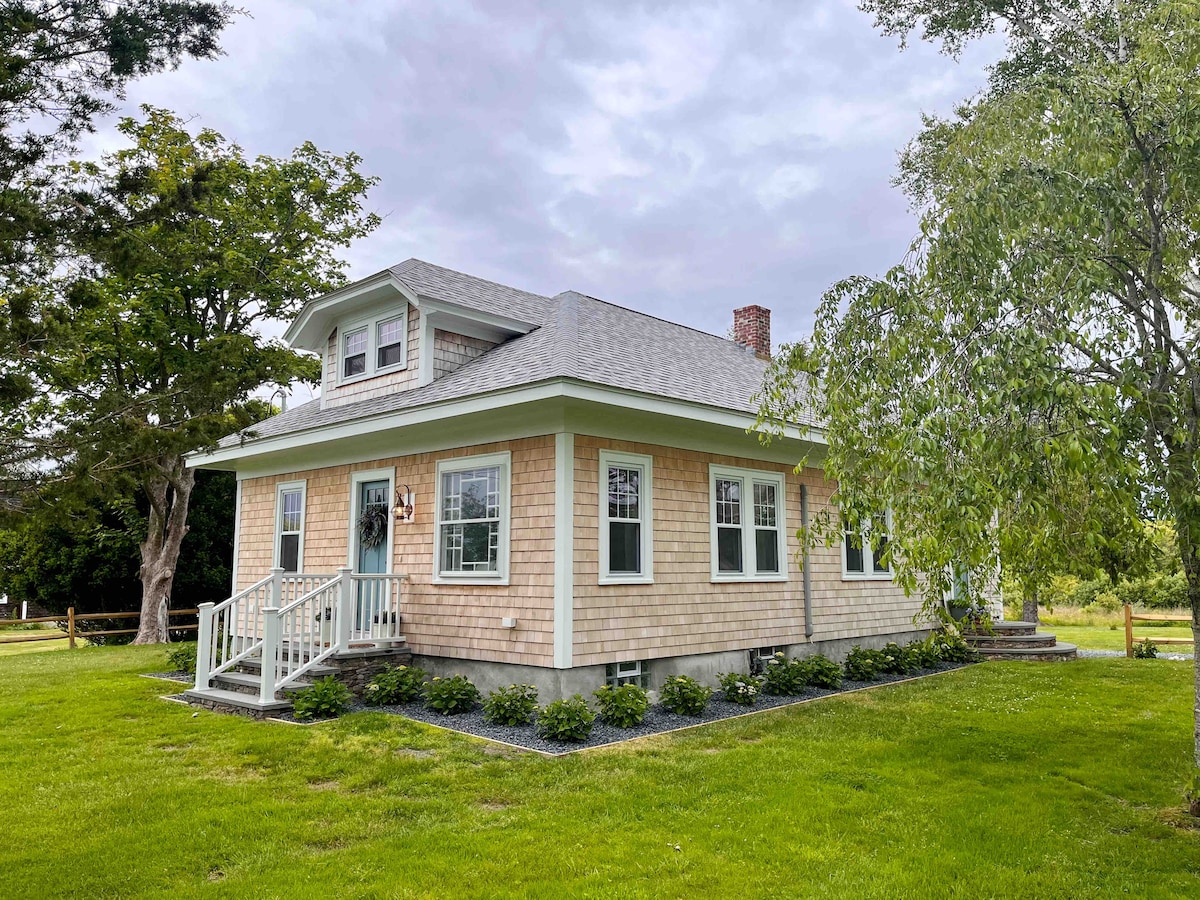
(292, 622)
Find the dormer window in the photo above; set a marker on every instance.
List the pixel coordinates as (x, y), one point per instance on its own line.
(390, 343)
(373, 346)
(354, 360)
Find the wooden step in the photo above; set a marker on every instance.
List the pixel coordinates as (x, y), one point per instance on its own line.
(1057, 653)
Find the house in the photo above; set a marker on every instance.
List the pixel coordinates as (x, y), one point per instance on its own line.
(551, 490)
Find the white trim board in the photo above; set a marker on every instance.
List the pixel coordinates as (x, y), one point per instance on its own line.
(505, 399)
(564, 549)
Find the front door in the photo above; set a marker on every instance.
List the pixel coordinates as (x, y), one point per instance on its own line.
(371, 557)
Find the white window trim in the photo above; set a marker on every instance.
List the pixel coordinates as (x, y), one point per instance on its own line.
(280, 488)
(868, 573)
(371, 324)
(357, 478)
(749, 551)
(479, 461)
(646, 505)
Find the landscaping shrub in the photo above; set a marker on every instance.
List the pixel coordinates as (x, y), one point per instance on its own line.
(566, 720)
(395, 684)
(953, 647)
(783, 677)
(512, 705)
(1145, 649)
(897, 660)
(738, 688)
(685, 695)
(863, 664)
(623, 706)
(926, 652)
(326, 699)
(182, 658)
(821, 671)
(450, 695)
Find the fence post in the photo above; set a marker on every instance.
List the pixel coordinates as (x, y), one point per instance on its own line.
(1128, 631)
(70, 628)
(204, 632)
(270, 653)
(345, 607)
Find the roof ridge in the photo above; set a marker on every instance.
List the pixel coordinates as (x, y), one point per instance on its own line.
(507, 287)
(646, 315)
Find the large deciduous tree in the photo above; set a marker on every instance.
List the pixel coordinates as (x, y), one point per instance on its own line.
(1027, 382)
(61, 64)
(181, 250)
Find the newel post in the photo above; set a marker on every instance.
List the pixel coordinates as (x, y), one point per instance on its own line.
(277, 587)
(270, 653)
(345, 607)
(204, 630)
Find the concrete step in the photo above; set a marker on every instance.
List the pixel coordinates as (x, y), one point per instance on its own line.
(1057, 653)
(231, 701)
(250, 684)
(1014, 641)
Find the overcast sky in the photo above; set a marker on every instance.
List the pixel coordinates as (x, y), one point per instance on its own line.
(680, 159)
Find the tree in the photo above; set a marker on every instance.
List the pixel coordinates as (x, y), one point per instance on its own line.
(61, 63)
(1028, 378)
(180, 250)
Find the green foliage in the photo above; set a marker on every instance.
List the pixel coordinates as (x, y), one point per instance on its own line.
(952, 647)
(863, 664)
(822, 672)
(783, 677)
(450, 695)
(567, 720)
(739, 688)
(623, 706)
(897, 660)
(326, 699)
(1145, 649)
(182, 658)
(684, 695)
(927, 653)
(395, 684)
(512, 705)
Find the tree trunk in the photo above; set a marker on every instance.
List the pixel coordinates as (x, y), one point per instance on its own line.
(1029, 608)
(169, 487)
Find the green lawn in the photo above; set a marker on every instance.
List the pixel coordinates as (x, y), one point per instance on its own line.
(1001, 780)
(11, 643)
(1103, 637)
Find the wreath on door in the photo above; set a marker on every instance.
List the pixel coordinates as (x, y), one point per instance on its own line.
(372, 526)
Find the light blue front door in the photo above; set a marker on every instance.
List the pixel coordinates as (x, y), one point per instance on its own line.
(371, 559)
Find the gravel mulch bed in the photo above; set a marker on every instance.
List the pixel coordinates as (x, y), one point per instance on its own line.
(1097, 654)
(185, 677)
(657, 721)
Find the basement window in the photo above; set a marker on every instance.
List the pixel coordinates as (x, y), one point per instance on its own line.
(633, 672)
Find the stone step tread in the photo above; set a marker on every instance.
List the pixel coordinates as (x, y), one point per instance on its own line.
(317, 671)
(1031, 638)
(1008, 626)
(233, 698)
(1031, 652)
(245, 679)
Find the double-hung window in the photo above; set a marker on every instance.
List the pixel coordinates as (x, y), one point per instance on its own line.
(473, 514)
(863, 554)
(369, 347)
(626, 531)
(749, 535)
(289, 525)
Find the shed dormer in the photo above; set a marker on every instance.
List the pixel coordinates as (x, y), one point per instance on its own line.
(405, 327)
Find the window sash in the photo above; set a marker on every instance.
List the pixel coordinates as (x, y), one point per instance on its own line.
(289, 524)
(865, 559)
(624, 510)
(354, 353)
(471, 519)
(389, 341)
(747, 525)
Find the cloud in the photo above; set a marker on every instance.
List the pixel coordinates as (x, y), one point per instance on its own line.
(679, 158)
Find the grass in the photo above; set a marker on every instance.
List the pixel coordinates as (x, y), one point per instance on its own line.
(12, 642)
(1001, 780)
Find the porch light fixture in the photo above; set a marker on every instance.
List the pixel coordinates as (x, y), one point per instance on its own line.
(402, 507)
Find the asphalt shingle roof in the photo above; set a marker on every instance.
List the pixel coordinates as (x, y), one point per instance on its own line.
(578, 337)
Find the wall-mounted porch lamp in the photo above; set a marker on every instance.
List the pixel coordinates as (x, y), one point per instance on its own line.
(402, 507)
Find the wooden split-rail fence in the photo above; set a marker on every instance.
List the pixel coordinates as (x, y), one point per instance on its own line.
(1130, 618)
(70, 631)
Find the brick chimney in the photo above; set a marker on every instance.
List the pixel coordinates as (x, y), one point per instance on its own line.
(752, 328)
